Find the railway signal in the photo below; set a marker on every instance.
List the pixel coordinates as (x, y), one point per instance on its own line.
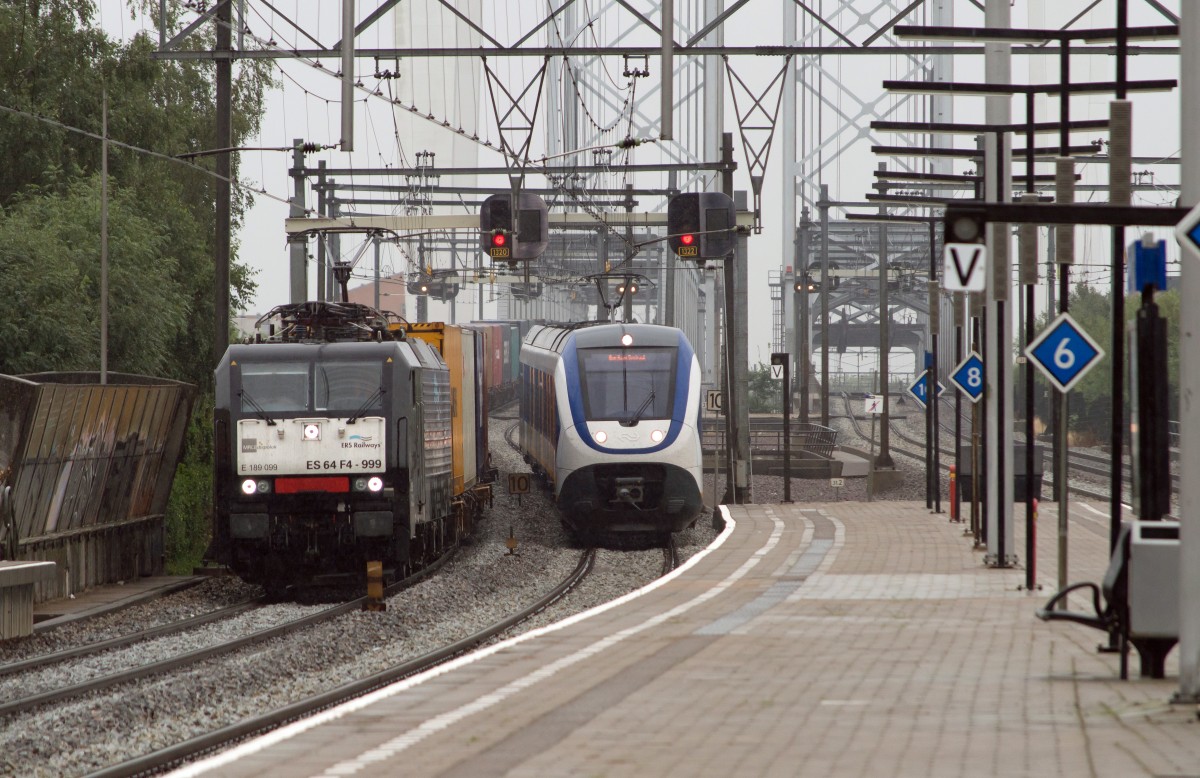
(702, 225)
(502, 239)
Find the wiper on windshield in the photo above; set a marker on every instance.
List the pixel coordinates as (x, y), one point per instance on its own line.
(363, 409)
(258, 409)
(633, 420)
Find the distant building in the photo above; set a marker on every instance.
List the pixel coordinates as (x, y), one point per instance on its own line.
(392, 292)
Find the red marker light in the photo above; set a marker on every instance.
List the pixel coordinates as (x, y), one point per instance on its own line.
(687, 240)
(499, 239)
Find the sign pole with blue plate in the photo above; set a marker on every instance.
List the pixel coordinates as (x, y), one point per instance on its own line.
(968, 376)
(1064, 352)
(919, 389)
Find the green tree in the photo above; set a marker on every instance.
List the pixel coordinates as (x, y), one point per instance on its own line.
(766, 393)
(56, 71)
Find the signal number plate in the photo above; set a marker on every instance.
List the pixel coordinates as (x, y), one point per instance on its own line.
(689, 251)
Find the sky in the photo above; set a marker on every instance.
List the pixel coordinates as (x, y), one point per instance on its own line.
(306, 105)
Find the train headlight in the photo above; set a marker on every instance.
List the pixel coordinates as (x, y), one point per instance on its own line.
(627, 339)
(312, 431)
(249, 486)
(264, 487)
(360, 484)
(375, 483)
(657, 436)
(601, 436)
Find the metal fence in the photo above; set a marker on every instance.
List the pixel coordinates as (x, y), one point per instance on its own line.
(766, 437)
(88, 469)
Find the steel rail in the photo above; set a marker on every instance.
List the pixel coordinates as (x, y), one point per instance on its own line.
(175, 755)
(199, 655)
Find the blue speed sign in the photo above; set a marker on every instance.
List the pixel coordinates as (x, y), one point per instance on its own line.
(1064, 352)
(918, 388)
(968, 376)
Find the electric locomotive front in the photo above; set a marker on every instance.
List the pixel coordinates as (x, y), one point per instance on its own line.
(625, 437)
(327, 455)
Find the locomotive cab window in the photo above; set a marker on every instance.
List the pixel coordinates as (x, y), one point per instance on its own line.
(348, 386)
(274, 386)
(627, 385)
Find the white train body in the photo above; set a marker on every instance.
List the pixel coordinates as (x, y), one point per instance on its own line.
(610, 415)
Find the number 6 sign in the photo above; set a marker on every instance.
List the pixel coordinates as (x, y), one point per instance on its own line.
(1064, 352)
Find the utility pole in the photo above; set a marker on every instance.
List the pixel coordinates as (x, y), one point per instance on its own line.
(223, 189)
(1189, 367)
(298, 244)
(824, 206)
(803, 340)
(998, 396)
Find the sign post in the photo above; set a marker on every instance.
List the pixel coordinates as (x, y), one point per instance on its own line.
(919, 389)
(968, 377)
(964, 267)
(779, 360)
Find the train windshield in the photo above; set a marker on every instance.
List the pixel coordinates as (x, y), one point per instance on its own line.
(627, 384)
(348, 386)
(275, 386)
(306, 387)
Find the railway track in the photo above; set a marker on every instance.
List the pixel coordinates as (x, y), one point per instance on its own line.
(222, 738)
(162, 630)
(919, 455)
(178, 661)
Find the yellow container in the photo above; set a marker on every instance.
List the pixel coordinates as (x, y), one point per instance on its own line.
(457, 347)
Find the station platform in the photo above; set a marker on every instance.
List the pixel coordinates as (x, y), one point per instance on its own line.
(54, 613)
(837, 639)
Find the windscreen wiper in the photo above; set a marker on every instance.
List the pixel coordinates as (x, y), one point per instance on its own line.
(363, 409)
(637, 415)
(258, 409)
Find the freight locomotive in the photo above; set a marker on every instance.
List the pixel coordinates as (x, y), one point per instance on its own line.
(610, 417)
(336, 444)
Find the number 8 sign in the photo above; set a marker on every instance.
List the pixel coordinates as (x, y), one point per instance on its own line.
(1064, 352)
(968, 376)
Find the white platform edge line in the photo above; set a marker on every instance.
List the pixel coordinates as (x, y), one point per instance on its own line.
(332, 714)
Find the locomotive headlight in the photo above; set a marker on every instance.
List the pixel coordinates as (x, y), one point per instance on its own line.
(375, 483)
(657, 436)
(312, 431)
(360, 484)
(601, 436)
(249, 486)
(264, 487)
(627, 339)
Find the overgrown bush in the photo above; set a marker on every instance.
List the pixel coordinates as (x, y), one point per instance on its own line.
(189, 511)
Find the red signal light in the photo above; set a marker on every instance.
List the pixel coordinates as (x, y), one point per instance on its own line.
(499, 239)
(687, 240)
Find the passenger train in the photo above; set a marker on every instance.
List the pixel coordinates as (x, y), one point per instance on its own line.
(610, 416)
(340, 440)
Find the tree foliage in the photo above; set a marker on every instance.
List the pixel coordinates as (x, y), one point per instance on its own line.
(57, 71)
(61, 77)
(766, 393)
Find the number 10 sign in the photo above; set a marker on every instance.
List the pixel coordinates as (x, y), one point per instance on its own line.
(1064, 352)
